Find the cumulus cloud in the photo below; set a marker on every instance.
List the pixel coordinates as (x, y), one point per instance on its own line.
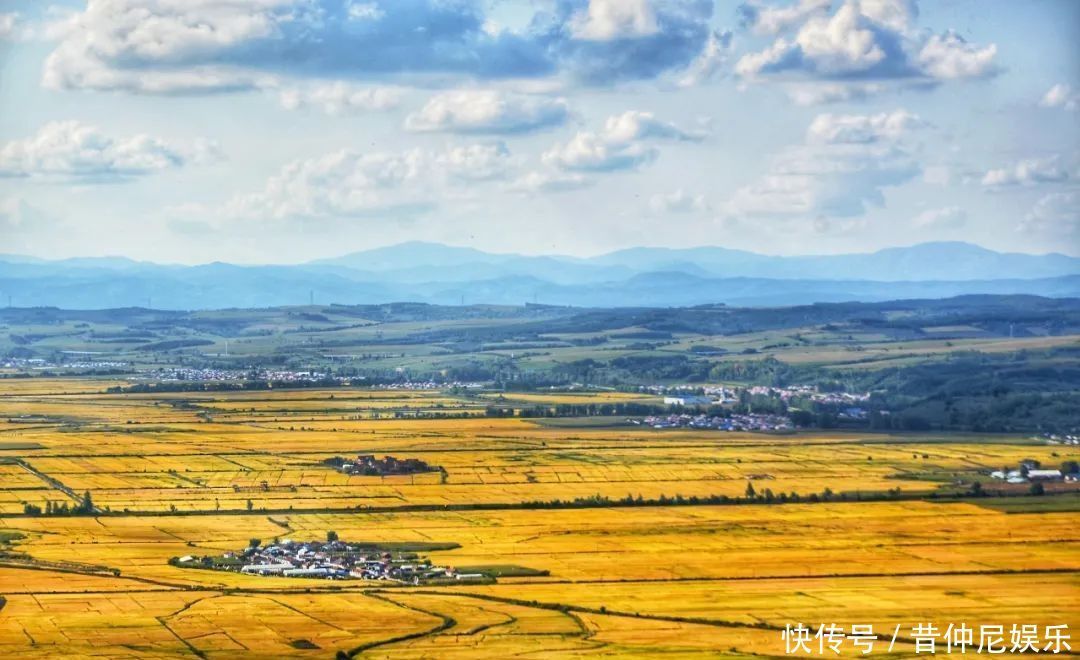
(625, 143)
(600, 42)
(201, 46)
(770, 20)
(343, 183)
(864, 40)
(843, 167)
(339, 97)
(1061, 95)
(476, 162)
(1027, 172)
(949, 217)
(1056, 215)
(678, 201)
(861, 129)
(73, 150)
(348, 183)
(948, 57)
(606, 20)
(487, 111)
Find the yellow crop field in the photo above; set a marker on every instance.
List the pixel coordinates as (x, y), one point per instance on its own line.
(859, 528)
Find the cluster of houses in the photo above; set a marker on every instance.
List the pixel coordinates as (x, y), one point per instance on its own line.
(749, 422)
(424, 385)
(175, 374)
(1062, 439)
(717, 395)
(26, 363)
(332, 560)
(1031, 471)
(369, 465)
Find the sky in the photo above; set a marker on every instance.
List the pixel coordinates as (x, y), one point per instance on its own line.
(280, 131)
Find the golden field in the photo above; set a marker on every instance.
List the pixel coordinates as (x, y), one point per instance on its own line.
(636, 582)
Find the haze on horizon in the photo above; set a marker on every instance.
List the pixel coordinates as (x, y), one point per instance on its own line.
(282, 131)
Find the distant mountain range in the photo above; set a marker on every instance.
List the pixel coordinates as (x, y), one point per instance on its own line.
(430, 272)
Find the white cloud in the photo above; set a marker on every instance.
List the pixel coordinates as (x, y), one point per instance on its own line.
(843, 168)
(861, 129)
(948, 57)
(678, 201)
(1056, 214)
(70, 149)
(338, 97)
(487, 111)
(896, 15)
(364, 11)
(347, 183)
(342, 183)
(476, 162)
(1027, 172)
(709, 63)
(202, 46)
(1061, 95)
(588, 151)
(606, 20)
(111, 45)
(636, 125)
(868, 40)
(949, 217)
(770, 20)
(623, 144)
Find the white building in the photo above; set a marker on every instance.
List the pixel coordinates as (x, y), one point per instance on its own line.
(687, 400)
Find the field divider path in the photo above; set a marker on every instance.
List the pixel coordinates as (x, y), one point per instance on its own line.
(51, 481)
(446, 624)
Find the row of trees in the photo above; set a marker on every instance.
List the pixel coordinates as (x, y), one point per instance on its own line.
(84, 507)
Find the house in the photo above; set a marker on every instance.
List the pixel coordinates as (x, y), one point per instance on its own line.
(1044, 475)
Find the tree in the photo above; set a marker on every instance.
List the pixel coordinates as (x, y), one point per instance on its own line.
(87, 504)
(331, 536)
(750, 492)
(1070, 467)
(250, 505)
(1037, 489)
(254, 543)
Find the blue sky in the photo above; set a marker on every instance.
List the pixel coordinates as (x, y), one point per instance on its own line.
(286, 130)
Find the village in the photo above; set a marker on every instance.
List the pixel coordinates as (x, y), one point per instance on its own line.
(368, 465)
(331, 560)
(736, 422)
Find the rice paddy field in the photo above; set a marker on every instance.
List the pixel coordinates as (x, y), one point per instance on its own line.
(203, 473)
